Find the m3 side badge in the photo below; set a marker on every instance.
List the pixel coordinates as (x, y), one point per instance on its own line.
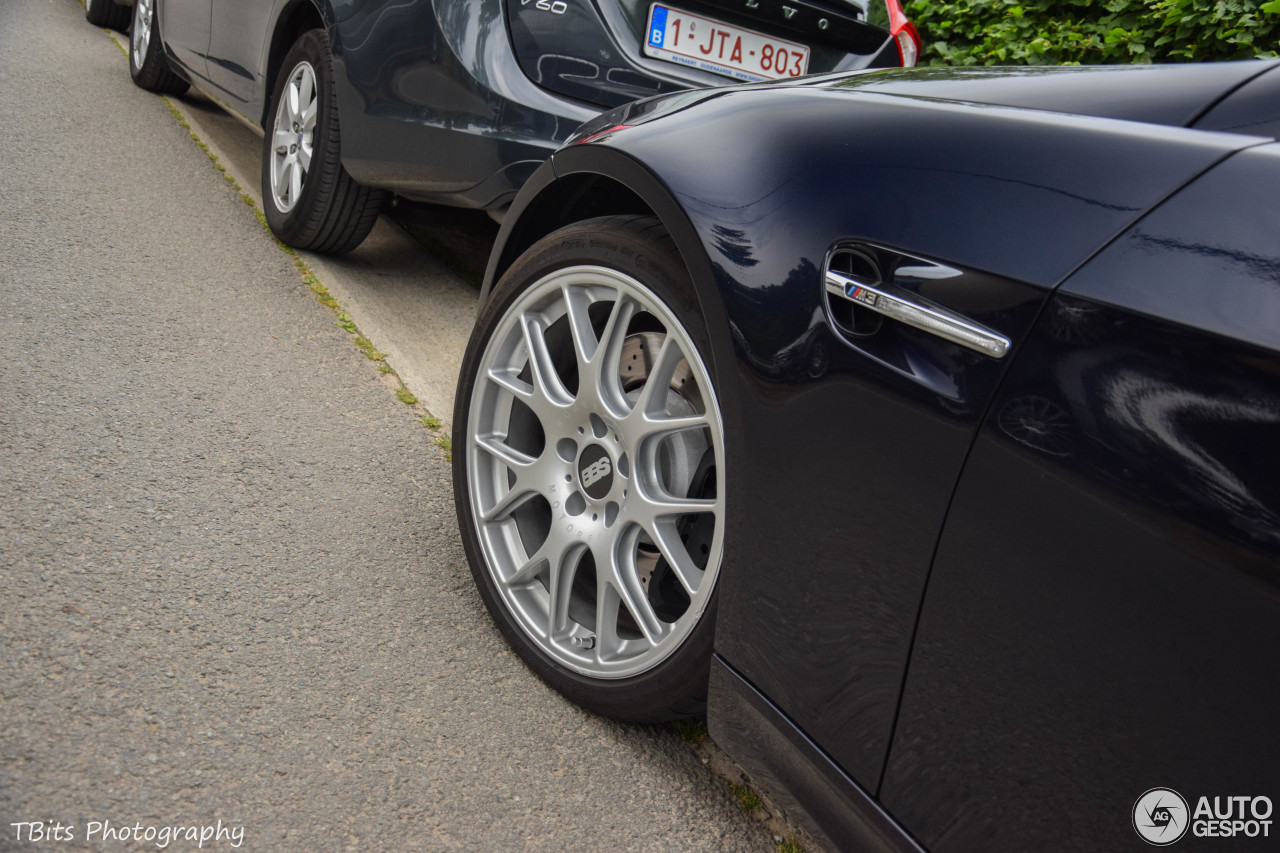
(857, 293)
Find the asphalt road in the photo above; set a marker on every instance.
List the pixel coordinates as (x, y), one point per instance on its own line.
(230, 581)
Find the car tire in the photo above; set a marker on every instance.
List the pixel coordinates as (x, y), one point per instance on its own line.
(309, 199)
(107, 13)
(620, 374)
(148, 66)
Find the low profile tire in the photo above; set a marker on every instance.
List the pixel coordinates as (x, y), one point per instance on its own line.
(106, 13)
(148, 65)
(588, 462)
(310, 200)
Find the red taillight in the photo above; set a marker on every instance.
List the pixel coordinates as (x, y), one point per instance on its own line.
(904, 34)
(593, 137)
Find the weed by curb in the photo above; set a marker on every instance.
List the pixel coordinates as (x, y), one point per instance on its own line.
(692, 732)
(748, 799)
(790, 845)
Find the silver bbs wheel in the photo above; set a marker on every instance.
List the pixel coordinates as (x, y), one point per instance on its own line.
(594, 462)
(140, 37)
(293, 137)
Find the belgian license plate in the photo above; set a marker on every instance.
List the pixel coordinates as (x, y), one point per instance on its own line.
(710, 45)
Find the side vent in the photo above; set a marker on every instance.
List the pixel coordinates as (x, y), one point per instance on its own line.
(864, 287)
(847, 315)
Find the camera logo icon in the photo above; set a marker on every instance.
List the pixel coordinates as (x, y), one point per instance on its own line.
(1161, 817)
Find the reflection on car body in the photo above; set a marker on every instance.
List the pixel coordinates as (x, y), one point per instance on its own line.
(954, 583)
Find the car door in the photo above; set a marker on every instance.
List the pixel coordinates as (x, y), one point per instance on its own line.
(184, 25)
(238, 36)
(856, 426)
(1103, 614)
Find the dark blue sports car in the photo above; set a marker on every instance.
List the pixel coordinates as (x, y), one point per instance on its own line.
(458, 101)
(922, 427)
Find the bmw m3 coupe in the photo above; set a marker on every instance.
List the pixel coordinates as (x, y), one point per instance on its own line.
(925, 435)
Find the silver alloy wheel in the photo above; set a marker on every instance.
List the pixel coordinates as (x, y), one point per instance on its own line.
(293, 136)
(140, 37)
(594, 439)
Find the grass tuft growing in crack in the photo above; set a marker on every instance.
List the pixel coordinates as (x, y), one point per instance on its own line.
(748, 799)
(692, 732)
(366, 347)
(790, 845)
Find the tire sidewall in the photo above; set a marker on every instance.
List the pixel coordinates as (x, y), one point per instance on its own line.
(683, 675)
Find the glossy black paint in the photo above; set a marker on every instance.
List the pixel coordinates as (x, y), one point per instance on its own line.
(1015, 200)
(1174, 95)
(1253, 108)
(434, 103)
(1123, 633)
(800, 778)
(847, 451)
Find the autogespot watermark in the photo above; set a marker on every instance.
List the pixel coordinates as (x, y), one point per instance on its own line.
(1162, 816)
(43, 831)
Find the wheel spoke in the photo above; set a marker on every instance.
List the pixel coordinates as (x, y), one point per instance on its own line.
(649, 427)
(585, 343)
(546, 382)
(603, 367)
(506, 379)
(529, 571)
(562, 573)
(631, 591)
(553, 551)
(515, 497)
(309, 116)
(306, 88)
(295, 180)
(291, 101)
(282, 178)
(509, 456)
(652, 401)
(665, 535)
(607, 603)
(663, 506)
(304, 156)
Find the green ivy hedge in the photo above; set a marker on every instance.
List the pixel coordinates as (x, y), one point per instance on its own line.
(1089, 32)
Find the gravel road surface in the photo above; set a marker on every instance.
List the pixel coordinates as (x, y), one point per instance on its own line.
(230, 582)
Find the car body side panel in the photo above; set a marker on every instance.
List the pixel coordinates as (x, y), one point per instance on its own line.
(860, 456)
(437, 106)
(238, 32)
(1104, 611)
(184, 25)
(837, 813)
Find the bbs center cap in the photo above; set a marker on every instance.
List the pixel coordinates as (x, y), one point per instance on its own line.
(595, 472)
